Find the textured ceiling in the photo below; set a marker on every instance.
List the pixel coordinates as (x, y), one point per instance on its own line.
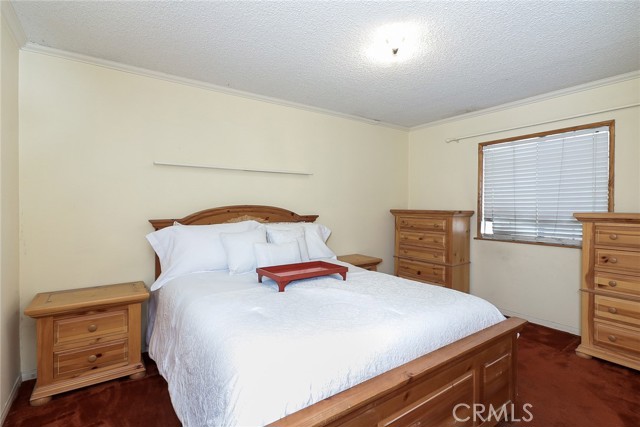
(471, 55)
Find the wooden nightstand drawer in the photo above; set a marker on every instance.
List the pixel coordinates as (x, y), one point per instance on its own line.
(619, 260)
(425, 238)
(429, 224)
(616, 236)
(433, 273)
(423, 254)
(618, 310)
(72, 363)
(89, 326)
(608, 335)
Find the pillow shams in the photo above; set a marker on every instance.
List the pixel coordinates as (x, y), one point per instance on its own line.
(184, 249)
(315, 237)
(317, 248)
(294, 234)
(321, 230)
(268, 254)
(239, 249)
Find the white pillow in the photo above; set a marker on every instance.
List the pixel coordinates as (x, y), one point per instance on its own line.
(184, 249)
(317, 247)
(294, 234)
(321, 230)
(315, 237)
(268, 254)
(239, 249)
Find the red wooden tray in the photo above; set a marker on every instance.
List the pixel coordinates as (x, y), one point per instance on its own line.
(284, 274)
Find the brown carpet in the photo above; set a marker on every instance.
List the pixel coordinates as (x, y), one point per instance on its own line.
(118, 403)
(563, 389)
(568, 391)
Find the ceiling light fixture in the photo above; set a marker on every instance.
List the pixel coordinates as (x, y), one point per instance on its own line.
(392, 43)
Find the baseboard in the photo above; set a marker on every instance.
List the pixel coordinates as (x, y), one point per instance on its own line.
(29, 375)
(543, 322)
(9, 402)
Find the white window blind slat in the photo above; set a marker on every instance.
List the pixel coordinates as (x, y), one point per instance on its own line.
(532, 187)
(577, 166)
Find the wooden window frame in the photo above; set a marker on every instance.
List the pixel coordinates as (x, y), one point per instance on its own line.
(610, 204)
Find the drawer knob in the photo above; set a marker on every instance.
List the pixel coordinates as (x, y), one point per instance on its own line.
(613, 283)
(612, 338)
(92, 358)
(613, 260)
(92, 327)
(613, 310)
(613, 236)
(418, 272)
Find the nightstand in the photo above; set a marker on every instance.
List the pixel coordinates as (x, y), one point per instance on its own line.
(86, 336)
(363, 261)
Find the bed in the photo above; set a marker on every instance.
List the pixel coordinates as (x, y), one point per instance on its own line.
(236, 352)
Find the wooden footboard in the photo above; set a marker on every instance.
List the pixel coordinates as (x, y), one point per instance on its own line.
(438, 389)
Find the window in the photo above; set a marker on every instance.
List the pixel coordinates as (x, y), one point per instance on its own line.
(530, 186)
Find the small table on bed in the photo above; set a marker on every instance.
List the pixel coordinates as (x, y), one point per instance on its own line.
(284, 274)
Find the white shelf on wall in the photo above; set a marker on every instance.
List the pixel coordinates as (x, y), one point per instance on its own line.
(199, 166)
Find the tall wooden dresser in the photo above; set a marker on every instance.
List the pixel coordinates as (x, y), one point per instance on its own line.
(433, 247)
(610, 287)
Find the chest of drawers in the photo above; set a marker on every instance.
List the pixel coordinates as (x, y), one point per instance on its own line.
(433, 246)
(86, 336)
(610, 287)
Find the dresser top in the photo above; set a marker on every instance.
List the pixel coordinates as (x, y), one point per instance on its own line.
(48, 303)
(608, 216)
(430, 212)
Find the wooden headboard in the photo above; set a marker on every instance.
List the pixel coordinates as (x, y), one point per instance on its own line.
(232, 214)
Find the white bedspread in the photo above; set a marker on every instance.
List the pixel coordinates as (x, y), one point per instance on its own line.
(238, 353)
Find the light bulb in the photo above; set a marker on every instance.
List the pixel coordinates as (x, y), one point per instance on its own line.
(394, 43)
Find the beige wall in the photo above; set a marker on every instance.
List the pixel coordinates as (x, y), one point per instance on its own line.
(9, 214)
(89, 137)
(539, 283)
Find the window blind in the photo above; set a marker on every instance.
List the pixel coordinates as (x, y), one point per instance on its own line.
(531, 187)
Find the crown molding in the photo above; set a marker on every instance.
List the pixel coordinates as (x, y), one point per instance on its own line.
(9, 14)
(535, 99)
(36, 48)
